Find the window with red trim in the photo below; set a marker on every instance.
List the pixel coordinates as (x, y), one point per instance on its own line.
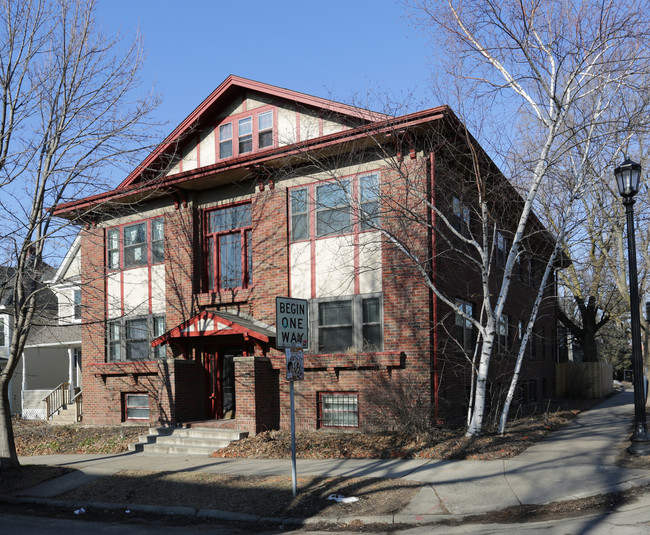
(340, 207)
(228, 248)
(246, 132)
(135, 244)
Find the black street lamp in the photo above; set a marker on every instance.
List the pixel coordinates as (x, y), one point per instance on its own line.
(628, 176)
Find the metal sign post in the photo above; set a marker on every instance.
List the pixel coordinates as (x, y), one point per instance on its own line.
(294, 472)
(295, 372)
(292, 335)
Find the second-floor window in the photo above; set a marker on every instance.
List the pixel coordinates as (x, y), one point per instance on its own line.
(339, 207)
(136, 244)
(228, 247)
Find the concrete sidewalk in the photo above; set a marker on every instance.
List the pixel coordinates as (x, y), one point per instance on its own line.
(574, 462)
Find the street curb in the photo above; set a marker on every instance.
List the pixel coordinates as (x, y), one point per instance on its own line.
(213, 514)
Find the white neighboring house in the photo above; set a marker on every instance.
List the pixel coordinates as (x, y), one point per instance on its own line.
(52, 355)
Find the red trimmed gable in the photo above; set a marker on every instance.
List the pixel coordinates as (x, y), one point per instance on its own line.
(215, 108)
(215, 323)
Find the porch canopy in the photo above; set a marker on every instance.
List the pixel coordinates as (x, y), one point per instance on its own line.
(219, 323)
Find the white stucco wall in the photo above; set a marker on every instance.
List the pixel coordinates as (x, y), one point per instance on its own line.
(136, 291)
(114, 295)
(334, 266)
(309, 126)
(300, 270)
(190, 154)
(287, 131)
(158, 289)
(370, 276)
(207, 150)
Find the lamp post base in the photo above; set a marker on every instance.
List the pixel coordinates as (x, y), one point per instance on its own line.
(639, 443)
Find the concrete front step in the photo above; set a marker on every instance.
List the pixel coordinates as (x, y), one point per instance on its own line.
(63, 417)
(192, 441)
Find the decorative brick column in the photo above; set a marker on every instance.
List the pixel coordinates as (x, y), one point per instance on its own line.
(257, 394)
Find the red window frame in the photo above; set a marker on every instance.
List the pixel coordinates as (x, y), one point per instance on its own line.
(255, 131)
(212, 254)
(148, 243)
(357, 223)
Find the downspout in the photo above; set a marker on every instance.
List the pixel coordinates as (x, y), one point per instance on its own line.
(433, 299)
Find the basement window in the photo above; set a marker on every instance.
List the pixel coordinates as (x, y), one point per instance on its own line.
(338, 409)
(136, 406)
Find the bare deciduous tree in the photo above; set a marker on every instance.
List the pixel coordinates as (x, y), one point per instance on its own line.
(67, 110)
(550, 68)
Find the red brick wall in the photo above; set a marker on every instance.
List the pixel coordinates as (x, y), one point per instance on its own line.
(262, 392)
(270, 253)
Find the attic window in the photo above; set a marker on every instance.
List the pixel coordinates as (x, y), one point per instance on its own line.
(245, 135)
(225, 140)
(265, 129)
(247, 132)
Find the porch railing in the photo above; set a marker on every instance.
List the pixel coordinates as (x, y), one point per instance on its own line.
(57, 399)
(77, 399)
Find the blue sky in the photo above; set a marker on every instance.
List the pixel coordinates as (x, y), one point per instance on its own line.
(349, 51)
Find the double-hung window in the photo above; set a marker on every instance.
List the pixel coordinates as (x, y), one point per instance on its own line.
(135, 245)
(353, 323)
(113, 248)
(369, 202)
(265, 129)
(225, 140)
(335, 326)
(245, 130)
(463, 328)
(114, 341)
(137, 339)
(228, 247)
(76, 304)
(299, 214)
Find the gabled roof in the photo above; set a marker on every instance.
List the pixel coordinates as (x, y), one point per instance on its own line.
(222, 96)
(368, 133)
(219, 323)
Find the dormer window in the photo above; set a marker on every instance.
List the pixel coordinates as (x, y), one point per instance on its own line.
(245, 133)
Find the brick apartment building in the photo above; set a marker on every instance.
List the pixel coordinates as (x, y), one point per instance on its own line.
(265, 192)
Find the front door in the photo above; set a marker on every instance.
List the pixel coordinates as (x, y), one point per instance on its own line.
(220, 381)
